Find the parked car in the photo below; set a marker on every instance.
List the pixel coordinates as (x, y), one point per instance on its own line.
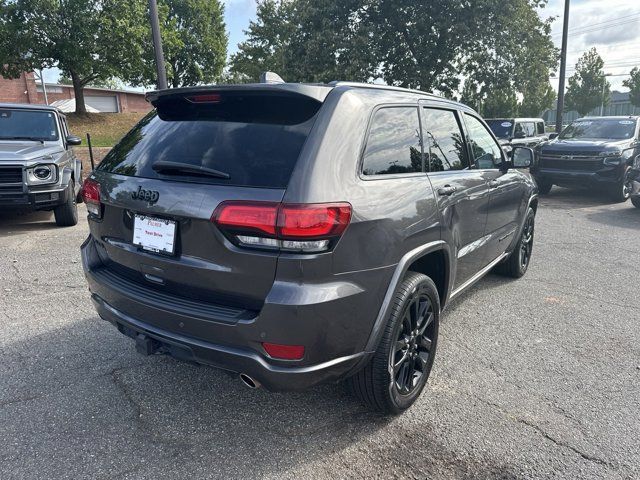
(595, 152)
(38, 169)
(299, 234)
(529, 132)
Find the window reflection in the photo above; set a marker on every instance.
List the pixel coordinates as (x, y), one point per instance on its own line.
(485, 150)
(394, 144)
(446, 150)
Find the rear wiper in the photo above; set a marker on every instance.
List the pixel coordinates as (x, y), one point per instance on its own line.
(33, 139)
(177, 167)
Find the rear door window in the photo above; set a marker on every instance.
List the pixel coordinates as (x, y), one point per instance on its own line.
(255, 139)
(540, 128)
(394, 144)
(444, 143)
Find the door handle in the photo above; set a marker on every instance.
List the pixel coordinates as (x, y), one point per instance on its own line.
(494, 184)
(447, 190)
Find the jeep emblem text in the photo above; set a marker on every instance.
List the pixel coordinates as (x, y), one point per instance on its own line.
(150, 196)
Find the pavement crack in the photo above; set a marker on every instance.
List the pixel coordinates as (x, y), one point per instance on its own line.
(139, 419)
(560, 443)
(15, 401)
(541, 431)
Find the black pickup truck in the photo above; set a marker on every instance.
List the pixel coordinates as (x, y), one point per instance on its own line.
(594, 152)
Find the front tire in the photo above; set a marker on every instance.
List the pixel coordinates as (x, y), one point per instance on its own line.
(517, 264)
(66, 215)
(400, 367)
(622, 191)
(635, 201)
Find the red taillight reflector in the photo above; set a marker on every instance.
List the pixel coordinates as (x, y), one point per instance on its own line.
(308, 228)
(284, 352)
(254, 217)
(205, 98)
(313, 221)
(91, 191)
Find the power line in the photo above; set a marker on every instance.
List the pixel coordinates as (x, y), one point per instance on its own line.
(610, 45)
(576, 30)
(597, 29)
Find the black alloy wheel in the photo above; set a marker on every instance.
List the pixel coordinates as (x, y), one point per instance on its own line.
(409, 360)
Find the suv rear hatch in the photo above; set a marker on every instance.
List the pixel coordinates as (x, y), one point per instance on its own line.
(159, 187)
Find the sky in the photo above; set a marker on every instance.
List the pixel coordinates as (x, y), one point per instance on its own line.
(612, 26)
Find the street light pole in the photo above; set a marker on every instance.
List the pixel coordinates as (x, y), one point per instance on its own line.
(563, 67)
(604, 84)
(157, 45)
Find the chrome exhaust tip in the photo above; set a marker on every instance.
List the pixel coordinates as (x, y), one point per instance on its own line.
(249, 382)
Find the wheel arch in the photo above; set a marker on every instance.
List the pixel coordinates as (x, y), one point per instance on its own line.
(433, 258)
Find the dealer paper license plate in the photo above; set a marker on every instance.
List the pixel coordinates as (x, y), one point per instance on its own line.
(154, 234)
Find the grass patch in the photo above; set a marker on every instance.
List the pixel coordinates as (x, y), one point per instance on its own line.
(105, 128)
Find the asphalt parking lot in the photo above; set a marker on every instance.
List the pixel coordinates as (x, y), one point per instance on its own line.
(535, 378)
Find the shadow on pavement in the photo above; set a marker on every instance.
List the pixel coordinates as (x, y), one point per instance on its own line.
(12, 223)
(82, 388)
(561, 197)
(600, 208)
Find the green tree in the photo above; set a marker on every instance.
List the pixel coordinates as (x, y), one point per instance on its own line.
(194, 42)
(511, 62)
(419, 44)
(588, 87)
(88, 41)
(500, 103)
(267, 43)
(633, 84)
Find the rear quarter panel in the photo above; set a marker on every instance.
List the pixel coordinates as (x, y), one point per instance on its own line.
(390, 216)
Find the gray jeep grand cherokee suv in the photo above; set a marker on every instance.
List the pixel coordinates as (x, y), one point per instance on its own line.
(38, 170)
(298, 234)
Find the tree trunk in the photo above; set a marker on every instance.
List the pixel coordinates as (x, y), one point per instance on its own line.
(78, 92)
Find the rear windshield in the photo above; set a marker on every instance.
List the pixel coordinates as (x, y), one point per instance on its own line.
(501, 128)
(21, 124)
(604, 129)
(254, 139)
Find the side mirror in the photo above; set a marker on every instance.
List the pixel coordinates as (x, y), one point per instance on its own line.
(73, 140)
(522, 157)
(519, 135)
(553, 135)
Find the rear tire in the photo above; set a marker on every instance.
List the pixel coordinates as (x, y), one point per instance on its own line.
(66, 215)
(622, 191)
(400, 367)
(544, 187)
(517, 263)
(635, 201)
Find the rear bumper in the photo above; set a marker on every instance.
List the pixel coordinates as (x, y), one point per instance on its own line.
(272, 377)
(333, 322)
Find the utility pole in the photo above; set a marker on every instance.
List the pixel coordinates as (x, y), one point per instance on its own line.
(157, 45)
(563, 67)
(604, 84)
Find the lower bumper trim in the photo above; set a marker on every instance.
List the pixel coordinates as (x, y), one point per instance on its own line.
(272, 377)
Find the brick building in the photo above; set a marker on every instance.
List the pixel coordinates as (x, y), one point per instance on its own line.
(26, 90)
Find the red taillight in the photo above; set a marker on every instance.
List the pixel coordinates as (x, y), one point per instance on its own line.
(91, 196)
(284, 352)
(313, 221)
(247, 217)
(290, 227)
